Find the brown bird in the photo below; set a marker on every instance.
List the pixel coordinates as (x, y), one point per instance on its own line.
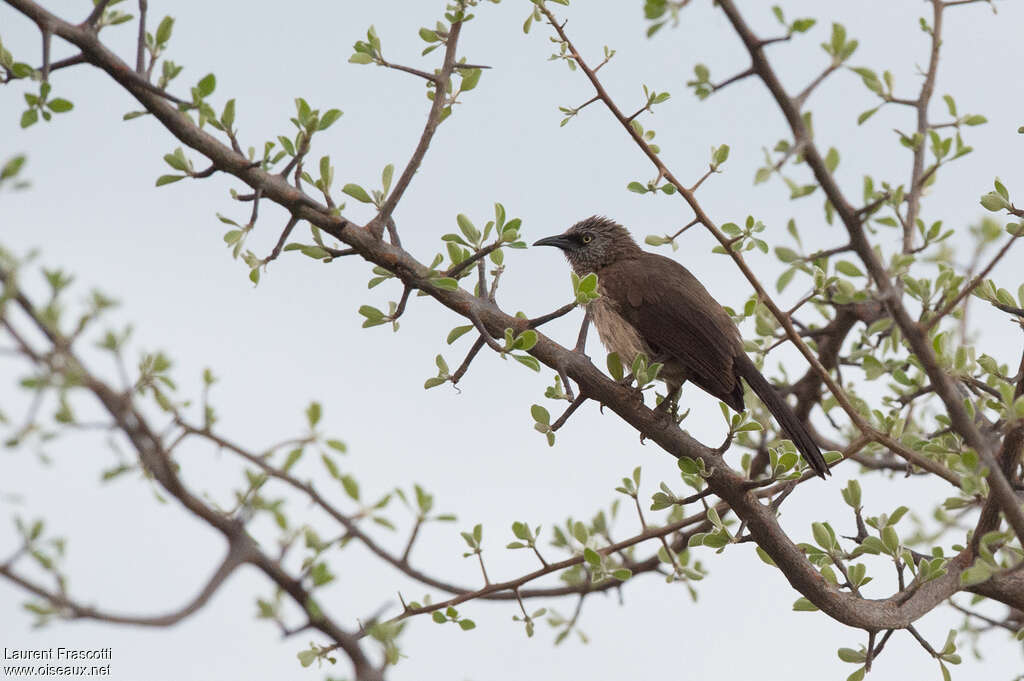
(652, 304)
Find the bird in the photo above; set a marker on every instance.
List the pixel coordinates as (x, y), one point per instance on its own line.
(653, 305)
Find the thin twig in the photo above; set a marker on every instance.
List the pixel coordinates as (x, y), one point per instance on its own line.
(96, 13)
(47, 35)
(728, 81)
(801, 98)
(433, 120)
(980, 277)
(412, 540)
(456, 270)
(920, 639)
(140, 47)
(491, 343)
(285, 233)
(408, 69)
(576, 403)
(464, 367)
(551, 316)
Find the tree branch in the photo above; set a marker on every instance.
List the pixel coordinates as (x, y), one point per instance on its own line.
(240, 550)
(433, 120)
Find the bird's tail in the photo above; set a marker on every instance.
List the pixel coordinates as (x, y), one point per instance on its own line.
(783, 414)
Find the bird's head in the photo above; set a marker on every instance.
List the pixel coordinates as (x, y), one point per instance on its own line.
(593, 243)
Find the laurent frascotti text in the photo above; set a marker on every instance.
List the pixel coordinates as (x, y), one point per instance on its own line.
(58, 653)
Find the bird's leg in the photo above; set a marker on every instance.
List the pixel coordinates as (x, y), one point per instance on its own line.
(668, 409)
(669, 405)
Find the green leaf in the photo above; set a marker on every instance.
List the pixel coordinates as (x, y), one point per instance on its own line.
(848, 268)
(822, 536)
(763, 555)
(328, 119)
(866, 115)
(29, 117)
(994, 202)
(313, 413)
(851, 655)
(632, 186)
(58, 105)
(832, 159)
(950, 105)
(439, 617)
(466, 625)
(720, 154)
(371, 313)
(803, 605)
(852, 494)
(528, 361)
(803, 25)
(360, 58)
(357, 193)
(784, 279)
(526, 340)
(458, 332)
(975, 119)
(467, 228)
(786, 254)
(540, 414)
(163, 34)
(168, 179)
(615, 367)
(227, 118)
(470, 79)
(351, 486)
(446, 283)
(12, 167)
(976, 574)
(177, 160)
(207, 85)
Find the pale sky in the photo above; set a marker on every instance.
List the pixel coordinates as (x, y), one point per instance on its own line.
(93, 210)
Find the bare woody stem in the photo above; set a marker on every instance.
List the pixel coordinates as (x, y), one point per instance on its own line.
(433, 120)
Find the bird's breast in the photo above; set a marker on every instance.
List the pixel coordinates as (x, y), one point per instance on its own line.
(616, 333)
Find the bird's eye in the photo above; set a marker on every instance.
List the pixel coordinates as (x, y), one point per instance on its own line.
(587, 238)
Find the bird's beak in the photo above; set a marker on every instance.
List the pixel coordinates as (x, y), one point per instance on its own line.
(558, 241)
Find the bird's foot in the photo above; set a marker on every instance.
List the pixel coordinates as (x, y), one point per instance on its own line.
(638, 393)
(668, 410)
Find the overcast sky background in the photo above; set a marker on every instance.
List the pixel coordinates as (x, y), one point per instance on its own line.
(93, 210)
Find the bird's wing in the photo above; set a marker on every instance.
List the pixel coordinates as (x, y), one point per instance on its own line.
(678, 319)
